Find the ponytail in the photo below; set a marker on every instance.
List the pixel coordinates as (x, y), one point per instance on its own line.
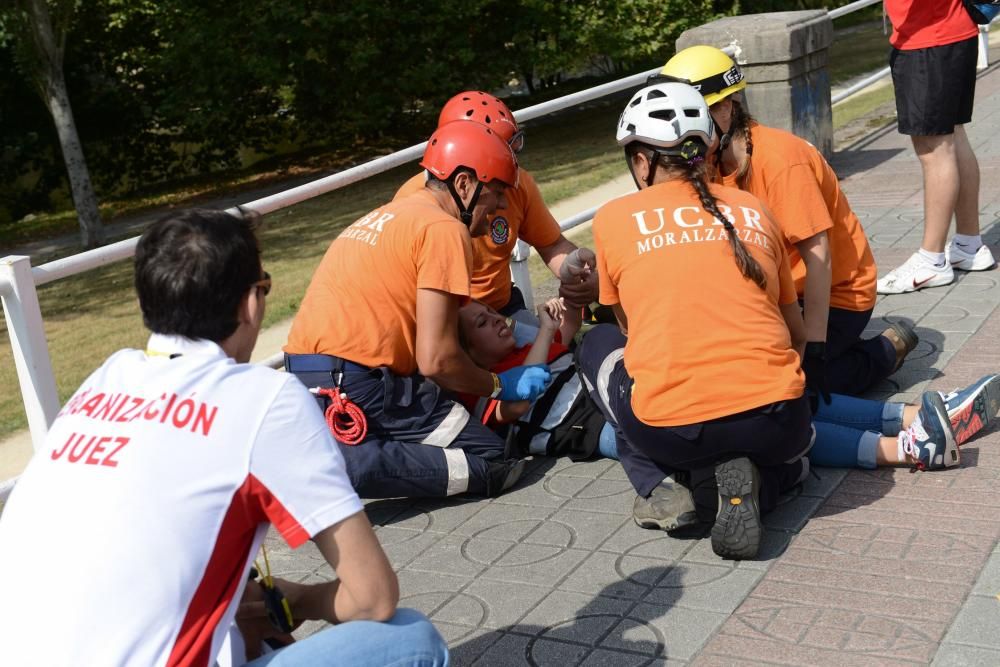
(748, 266)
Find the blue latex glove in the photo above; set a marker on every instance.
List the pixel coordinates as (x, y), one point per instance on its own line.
(523, 383)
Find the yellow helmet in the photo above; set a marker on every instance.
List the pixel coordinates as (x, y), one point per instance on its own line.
(712, 73)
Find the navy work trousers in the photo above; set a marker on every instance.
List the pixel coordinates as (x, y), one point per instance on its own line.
(855, 364)
(420, 443)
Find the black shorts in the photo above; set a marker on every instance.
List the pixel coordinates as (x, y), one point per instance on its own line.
(935, 87)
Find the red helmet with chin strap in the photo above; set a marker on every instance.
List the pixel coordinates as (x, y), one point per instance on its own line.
(482, 108)
(473, 146)
(470, 146)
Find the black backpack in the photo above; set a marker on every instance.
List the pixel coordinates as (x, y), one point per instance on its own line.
(563, 421)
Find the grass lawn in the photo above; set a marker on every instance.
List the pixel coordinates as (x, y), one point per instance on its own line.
(857, 50)
(87, 317)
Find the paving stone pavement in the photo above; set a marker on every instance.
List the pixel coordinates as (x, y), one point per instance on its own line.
(859, 567)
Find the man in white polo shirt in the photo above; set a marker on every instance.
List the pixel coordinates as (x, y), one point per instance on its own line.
(145, 508)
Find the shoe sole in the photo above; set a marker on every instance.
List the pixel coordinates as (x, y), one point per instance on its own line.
(951, 456)
(513, 476)
(957, 266)
(929, 284)
(737, 530)
(977, 412)
(906, 334)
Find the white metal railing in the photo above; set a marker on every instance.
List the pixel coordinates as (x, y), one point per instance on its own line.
(850, 8)
(18, 279)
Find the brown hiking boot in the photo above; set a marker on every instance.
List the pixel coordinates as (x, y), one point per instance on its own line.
(670, 506)
(903, 339)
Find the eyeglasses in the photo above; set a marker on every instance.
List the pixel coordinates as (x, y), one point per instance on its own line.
(264, 283)
(516, 142)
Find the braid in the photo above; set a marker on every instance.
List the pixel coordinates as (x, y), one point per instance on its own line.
(741, 128)
(744, 260)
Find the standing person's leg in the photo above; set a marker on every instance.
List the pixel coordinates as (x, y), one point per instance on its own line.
(408, 639)
(967, 205)
(935, 89)
(966, 252)
(855, 364)
(939, 164)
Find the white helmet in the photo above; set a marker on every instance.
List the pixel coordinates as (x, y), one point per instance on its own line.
(666, 116)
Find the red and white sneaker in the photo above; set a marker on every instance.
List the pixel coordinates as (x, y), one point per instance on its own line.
(929, 441)
(973, 408)
(915, 273)
(981, 260)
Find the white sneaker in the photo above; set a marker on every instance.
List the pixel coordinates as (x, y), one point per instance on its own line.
(981, 260)
(915, 273)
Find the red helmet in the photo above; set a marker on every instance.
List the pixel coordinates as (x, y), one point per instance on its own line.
(484, 109)
(473, 146)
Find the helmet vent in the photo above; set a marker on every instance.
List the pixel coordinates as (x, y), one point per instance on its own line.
(468, 114)
(692, 113)
(630, 128)
(488, 119)
(663, 114)
(654, 93)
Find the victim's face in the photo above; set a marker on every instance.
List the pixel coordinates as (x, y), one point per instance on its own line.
(488, 336)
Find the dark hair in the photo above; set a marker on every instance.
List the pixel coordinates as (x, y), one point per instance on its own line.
(693, 171)
(192, 268)
(741, 128)
(435, 183)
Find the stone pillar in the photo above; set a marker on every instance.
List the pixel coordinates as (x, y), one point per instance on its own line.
(783, 56)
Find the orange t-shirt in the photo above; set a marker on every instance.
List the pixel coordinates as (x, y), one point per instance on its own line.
(526, 217)
(361, 304)
(803, 194)
(920, 24)
(703, 341)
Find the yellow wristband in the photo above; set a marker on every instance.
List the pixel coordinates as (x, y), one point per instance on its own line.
(497, 385)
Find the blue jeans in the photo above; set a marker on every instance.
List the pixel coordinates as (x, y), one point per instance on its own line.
(848, 431)
(407, 639)
(607, 446)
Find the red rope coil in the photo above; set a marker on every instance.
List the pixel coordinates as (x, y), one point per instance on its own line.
(346, 420)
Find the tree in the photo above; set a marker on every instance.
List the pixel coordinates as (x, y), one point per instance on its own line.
(39, 29)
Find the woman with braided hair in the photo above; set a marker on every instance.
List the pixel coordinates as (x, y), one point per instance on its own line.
(832, 265)
(704, 371)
